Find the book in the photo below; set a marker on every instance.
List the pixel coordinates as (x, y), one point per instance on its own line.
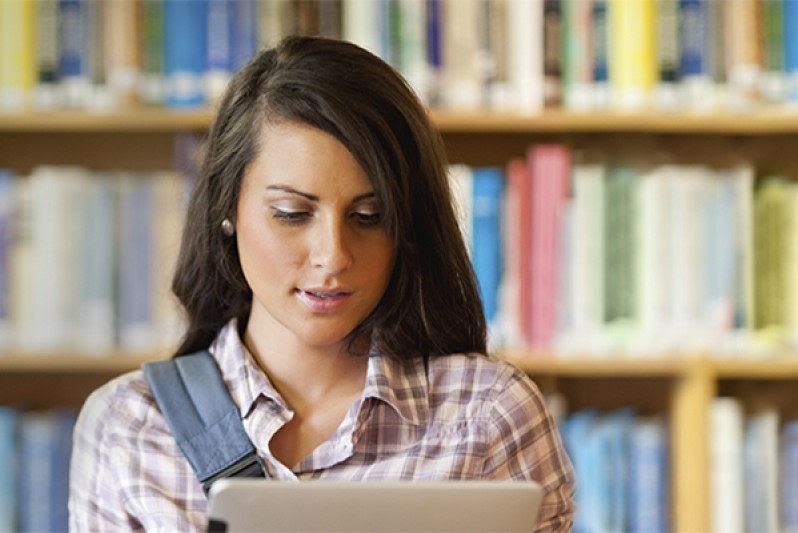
(45, 445)
(460, 180)
(726, 427)
(95, 314)
(668, 53)
(135, 272)
(648, 475)
(411, 46)
(632, 67)
(169, 191)
(791, 55)
(525, 54)
(185, 46)
(772, 204)
(620, 281)
(17, 37)
(219, 68)
(152, 80)
(245, 31)
(122, 34)
(587, 264)
(46, 94)
(774, 34)
(550, 172)
(74, 64)
(788, 476)
(514, 296)
(9, 452)
(760, 460)
(695, 69)
(577, 55)
(742, 42)
(461, 78)
(7, 186)
(277, 19)
(488, 189)
(54, 197)
(552, 53)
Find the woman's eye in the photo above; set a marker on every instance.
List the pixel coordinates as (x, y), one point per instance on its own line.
(368, 219)
(290, 217)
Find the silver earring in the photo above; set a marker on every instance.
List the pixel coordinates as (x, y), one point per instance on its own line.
(227, 227)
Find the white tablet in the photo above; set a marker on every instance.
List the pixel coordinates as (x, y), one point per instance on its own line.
(252, 505)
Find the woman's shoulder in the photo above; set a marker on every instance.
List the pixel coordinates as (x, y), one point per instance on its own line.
(120, 401)
(481, 374)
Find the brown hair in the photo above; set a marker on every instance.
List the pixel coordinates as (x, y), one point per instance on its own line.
(432, 304)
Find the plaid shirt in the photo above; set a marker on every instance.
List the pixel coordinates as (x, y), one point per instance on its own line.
(464, 417)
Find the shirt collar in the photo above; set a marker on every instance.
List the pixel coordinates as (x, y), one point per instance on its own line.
(402, 384)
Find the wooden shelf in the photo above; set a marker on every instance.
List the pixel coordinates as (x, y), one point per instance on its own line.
(764, 122)
(67, 363)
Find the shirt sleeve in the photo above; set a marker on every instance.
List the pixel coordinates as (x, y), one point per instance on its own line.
(95, 501)
(525, 444)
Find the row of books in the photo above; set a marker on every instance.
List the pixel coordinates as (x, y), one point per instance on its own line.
(622, 466)
(580, 255)
(507, 54)
(35, 449)
(86, 258)
(753, 468)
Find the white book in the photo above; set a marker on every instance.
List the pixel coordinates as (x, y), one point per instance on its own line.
(525, 33)
(461, 182)
(654, 259)
(413, 62)
(587, 266)
(688, 247)
(54, 195)
(760, 449)
(462, 79)
(95, 307)
(726, 423)
(361, 24)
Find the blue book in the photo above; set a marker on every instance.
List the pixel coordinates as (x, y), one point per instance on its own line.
(434, 48)
(185, 46)
(37, 467)
(64, 421)
(8, 466)
(693, 38)
(136, 215)
(488, 185)
(791, 50)
(576, 431)
(648, 476)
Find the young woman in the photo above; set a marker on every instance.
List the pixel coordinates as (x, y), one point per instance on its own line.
(323, 267)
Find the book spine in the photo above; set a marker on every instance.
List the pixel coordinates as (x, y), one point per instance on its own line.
(46, 93)
(17, 41)
(488, 194)
(185, 45)
(152, 83)
(7, 192)
(9, 454)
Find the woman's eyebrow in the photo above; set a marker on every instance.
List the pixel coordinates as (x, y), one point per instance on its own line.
(291, 190)
(313, 198)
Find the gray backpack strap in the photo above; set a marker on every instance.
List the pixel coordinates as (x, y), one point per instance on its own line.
(203, 417)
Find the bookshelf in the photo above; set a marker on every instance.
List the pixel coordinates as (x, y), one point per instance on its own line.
(682, 386)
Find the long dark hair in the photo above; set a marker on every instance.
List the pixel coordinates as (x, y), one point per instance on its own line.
(432, 303)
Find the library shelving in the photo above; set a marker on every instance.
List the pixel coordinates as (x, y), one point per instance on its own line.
(680, 386)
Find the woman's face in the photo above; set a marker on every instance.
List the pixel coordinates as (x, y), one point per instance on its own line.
(311, 240)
